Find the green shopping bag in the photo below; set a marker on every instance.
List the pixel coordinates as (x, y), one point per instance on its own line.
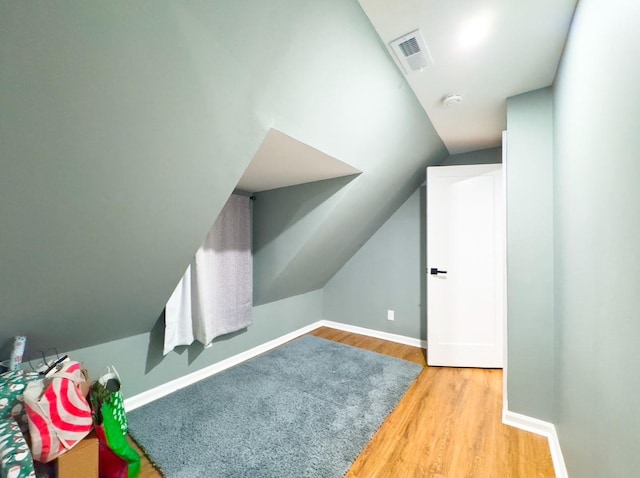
(117, 458)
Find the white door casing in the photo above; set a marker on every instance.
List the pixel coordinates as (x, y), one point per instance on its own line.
(465, 238)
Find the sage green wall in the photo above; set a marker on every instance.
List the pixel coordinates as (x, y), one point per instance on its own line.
(481, 156)
(376, 135)
(283, 219)
(124, 127)
(386, 273)
(530, 285)
(597, 284)
(139, 358)
(116, 158)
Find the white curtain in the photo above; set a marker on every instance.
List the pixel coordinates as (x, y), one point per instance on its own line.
(214, 297)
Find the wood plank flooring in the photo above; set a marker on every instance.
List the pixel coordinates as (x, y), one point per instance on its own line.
(448, 425)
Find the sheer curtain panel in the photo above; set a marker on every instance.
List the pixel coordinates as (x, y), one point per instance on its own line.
(214, 297)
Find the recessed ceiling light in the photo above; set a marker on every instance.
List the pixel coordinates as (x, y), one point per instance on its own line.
(474, 31)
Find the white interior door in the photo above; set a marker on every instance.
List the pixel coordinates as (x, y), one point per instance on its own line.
(465, 266)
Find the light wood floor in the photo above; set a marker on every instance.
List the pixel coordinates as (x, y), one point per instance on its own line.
(448, 425)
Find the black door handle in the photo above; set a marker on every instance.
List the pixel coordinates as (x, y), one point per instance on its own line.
(435, 271)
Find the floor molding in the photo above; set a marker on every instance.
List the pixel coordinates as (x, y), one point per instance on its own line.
(539, 427)
(160, 391)
(181, 382)
(400, 339)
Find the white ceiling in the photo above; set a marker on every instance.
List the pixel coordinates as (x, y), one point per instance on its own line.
(284, 161)
(516, 48)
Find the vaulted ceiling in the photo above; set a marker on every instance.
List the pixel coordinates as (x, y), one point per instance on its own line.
(482, 50)
(124, 127)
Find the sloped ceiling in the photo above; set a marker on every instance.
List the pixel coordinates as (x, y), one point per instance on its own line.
(283, 161)
(484, 51)
(124, 127)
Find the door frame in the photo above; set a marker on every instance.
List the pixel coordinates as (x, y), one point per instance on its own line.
(505, 313)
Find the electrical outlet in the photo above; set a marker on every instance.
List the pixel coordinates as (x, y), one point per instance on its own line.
(391, 315)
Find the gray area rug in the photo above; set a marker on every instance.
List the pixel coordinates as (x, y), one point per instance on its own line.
(306, 409)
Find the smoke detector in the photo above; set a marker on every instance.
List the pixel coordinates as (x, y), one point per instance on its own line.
(451, 100)
(411, 52)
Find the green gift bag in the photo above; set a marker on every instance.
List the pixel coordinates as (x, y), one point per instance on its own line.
(117, 458)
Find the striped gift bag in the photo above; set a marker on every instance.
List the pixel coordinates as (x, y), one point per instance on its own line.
(59, 415)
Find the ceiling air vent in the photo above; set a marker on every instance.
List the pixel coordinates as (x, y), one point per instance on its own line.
(412, 52)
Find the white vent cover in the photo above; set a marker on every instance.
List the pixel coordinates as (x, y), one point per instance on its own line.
(411, 51)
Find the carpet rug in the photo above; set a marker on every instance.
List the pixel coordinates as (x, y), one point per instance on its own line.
(305, 409)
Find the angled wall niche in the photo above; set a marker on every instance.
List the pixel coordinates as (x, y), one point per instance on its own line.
(283, 161)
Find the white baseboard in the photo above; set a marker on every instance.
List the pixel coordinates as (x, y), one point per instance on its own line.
(539, 427)
(152, 394)
(400, 339)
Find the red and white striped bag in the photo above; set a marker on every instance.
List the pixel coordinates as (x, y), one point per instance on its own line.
(58, 413)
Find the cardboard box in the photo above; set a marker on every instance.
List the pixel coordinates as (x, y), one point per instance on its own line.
(81, 461)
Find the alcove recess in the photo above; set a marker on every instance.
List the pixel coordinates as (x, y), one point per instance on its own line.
(283, 161)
